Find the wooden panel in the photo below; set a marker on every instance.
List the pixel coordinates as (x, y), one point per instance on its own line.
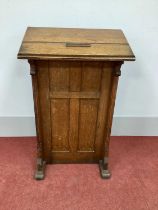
(91, 76)
(78, 157)
(60, 124)
(103, 107)
(87, 124)
(74, 117)
(77, 92)
(62, 94)
(75, 76)
(59, 76)
(55, 50)
(113, 91)
(44, 103)
(36, 98)
(36, 34)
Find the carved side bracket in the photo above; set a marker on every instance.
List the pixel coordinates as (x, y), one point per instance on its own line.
(32, 67)
(117, 69)
(118, 73)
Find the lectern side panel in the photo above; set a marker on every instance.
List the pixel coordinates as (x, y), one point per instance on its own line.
(104, 103)
(44, 109)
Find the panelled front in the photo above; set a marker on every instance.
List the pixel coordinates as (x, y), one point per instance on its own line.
(73, 99)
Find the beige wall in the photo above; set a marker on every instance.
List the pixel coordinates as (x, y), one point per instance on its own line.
(138, 87)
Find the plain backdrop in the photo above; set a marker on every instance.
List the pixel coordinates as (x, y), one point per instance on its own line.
(138, 85)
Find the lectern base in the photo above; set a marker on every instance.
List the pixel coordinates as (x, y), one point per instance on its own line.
(40, 171)
(105, 173)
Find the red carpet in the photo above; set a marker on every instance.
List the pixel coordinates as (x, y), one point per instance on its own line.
(133, 185)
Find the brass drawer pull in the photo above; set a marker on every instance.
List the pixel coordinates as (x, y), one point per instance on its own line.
(77, 44)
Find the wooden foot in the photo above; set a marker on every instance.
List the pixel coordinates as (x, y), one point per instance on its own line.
(104, 172)
(39, 174)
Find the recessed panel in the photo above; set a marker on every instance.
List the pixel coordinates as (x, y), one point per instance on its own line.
(75, 76)
(59, 76)
(60, 124)
(91, 76)
(87, 124)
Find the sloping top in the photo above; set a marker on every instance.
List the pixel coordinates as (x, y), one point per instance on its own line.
(66, 43)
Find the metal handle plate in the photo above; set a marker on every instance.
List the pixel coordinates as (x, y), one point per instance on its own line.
(77, 44)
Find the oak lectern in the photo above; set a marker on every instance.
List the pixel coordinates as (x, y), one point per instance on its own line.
(74, 76)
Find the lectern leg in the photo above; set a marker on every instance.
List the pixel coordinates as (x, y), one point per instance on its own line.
(104, 172)
(103, 164)
(40, 170)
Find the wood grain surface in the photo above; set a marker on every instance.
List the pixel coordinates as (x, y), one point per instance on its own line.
(74, 76)
(60, 43)
(74, 107)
